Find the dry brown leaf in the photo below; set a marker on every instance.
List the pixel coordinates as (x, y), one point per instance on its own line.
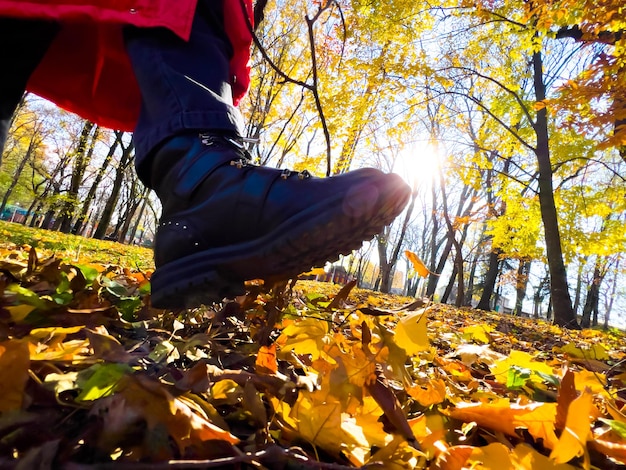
(567, 394)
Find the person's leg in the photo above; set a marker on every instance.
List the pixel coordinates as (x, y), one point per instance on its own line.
(24, 43)
(185, 86)
(224, 220)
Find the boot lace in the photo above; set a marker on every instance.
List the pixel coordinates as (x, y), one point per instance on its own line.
(246, 160)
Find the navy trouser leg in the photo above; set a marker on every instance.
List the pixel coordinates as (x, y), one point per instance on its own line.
(24, 43)
(184, 85)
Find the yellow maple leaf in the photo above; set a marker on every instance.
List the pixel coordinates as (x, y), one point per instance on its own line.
(594, 351)
(525, 457)
(398, 455)
(593, 381)
(523, 360)
(418, 264)
(573, 440)
(14, 364)
(315, 272)
(360, 368)
(479, 333)
(368, 417)
(453, 458)
(319, 419)
(411, 333)
(304, 337)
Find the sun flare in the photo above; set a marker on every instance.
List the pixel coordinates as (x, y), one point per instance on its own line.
(419, 164)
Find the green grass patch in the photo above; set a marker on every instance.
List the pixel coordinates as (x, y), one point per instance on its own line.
(74, 248)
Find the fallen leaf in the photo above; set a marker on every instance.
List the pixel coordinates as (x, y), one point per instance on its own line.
(567, 394)
(594, 351)
(266, 362)
(341, 297)
(453, 458)
(411, 333)
(493, 456)
(502, 415)
(14, 365)
(20, 312)
(520, 359)
(479, 333)
(615, 450)
(430, 392)
(573, 440)
(143, 398)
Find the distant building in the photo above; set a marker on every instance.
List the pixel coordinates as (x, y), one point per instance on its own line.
(14, 213)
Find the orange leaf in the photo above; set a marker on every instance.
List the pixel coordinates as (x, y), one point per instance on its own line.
(501, 415)
(429, 393)
(453, 458)
(418, 264)
(266, 360)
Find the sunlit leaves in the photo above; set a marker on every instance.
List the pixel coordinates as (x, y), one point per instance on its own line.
(350, 377)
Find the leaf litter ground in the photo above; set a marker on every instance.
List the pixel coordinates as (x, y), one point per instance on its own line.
(305, 375)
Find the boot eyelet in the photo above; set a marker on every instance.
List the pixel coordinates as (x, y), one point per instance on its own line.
(285, 174)
(304, 174)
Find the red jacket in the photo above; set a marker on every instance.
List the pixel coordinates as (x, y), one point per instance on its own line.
(86, 70)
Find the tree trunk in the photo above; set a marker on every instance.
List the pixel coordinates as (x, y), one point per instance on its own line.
(81, 158)
(450, 286)
(609, 303)
(109, 208)
(388, 268)
(80, 221)
(489, 283)
(433, 278)
(469, 296)
(458, 256)
(579, 283)
(523, 271)
(561, 301)
(144, 203)
(593, 295)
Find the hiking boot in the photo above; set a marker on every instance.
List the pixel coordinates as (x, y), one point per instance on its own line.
(226, 220)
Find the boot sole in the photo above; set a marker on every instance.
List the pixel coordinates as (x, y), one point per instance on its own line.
(300, 243)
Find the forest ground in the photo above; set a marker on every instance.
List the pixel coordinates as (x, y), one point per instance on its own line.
(299, 375)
